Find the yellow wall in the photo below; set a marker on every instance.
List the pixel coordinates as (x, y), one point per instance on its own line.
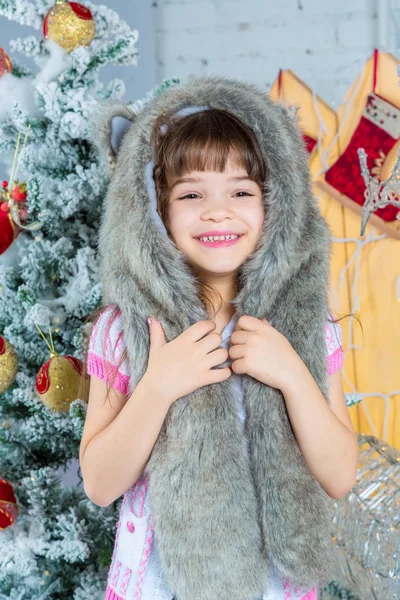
(372, 353)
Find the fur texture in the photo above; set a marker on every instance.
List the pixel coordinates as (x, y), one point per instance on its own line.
(216, 519)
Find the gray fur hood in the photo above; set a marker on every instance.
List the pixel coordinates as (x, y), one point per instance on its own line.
(216, 517)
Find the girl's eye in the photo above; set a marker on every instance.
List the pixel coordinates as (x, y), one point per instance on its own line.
(241, 192)
(187, 196)
(247, 193)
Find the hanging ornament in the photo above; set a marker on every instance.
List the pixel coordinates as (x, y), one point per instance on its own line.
(18, 193)
(8, 230)
(13, 208)
(70, 24)
(380, 194)
(8, 364)
(9, 510)
(371, 122)
(5, 62)
(58, 380)
(378, 131)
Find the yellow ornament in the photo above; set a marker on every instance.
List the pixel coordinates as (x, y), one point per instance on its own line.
(8, 364)
(70, 24)
(58, 382)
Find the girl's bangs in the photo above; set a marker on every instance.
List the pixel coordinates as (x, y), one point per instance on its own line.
(205, 141)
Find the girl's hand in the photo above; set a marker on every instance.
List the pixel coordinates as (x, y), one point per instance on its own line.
(262, 352)
(184, 364)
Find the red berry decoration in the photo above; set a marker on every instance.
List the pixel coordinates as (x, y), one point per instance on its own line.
(19, 193)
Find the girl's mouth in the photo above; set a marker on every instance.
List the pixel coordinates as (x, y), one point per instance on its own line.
(219, 243)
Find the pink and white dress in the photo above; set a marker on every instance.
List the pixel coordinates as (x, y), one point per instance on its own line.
(135, 572)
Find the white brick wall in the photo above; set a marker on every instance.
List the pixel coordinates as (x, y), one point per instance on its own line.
(324, 41)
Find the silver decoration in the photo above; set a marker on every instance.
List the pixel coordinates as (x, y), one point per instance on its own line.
(378, 194)
(366, 526)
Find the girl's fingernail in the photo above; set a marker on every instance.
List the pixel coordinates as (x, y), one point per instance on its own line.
(149, 320)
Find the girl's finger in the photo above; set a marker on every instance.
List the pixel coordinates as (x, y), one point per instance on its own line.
(236, 351)
(240, 336)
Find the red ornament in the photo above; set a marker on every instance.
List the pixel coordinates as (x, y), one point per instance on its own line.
(4, 184)
(5, 62)
(9, 230)
(9, 510)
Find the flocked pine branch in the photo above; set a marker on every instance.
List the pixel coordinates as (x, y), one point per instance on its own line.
(60, 544)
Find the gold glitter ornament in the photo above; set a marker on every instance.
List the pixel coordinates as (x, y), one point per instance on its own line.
(70, 24)
(57, 381)
(8, 364)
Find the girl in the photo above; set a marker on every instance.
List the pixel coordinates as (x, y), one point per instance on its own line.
(230, 437)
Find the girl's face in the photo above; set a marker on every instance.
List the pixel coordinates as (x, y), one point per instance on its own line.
(203, 201)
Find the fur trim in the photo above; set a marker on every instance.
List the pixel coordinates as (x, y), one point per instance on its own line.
(216, 517)
(104, 133)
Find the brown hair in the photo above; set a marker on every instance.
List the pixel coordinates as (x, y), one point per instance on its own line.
(199, 142)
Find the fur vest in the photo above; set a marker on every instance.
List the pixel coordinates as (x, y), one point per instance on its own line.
(217, 516)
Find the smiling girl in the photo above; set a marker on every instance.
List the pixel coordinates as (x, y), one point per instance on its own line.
(229, 437)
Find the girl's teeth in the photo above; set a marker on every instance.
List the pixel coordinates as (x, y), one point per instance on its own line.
(215, 238)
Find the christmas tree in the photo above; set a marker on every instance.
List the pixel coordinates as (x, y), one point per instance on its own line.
(55, 543)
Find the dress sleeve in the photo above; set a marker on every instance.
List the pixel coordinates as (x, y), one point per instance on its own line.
(334, 343)
(106, 345)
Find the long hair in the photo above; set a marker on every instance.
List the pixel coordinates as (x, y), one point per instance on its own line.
(199, 142)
